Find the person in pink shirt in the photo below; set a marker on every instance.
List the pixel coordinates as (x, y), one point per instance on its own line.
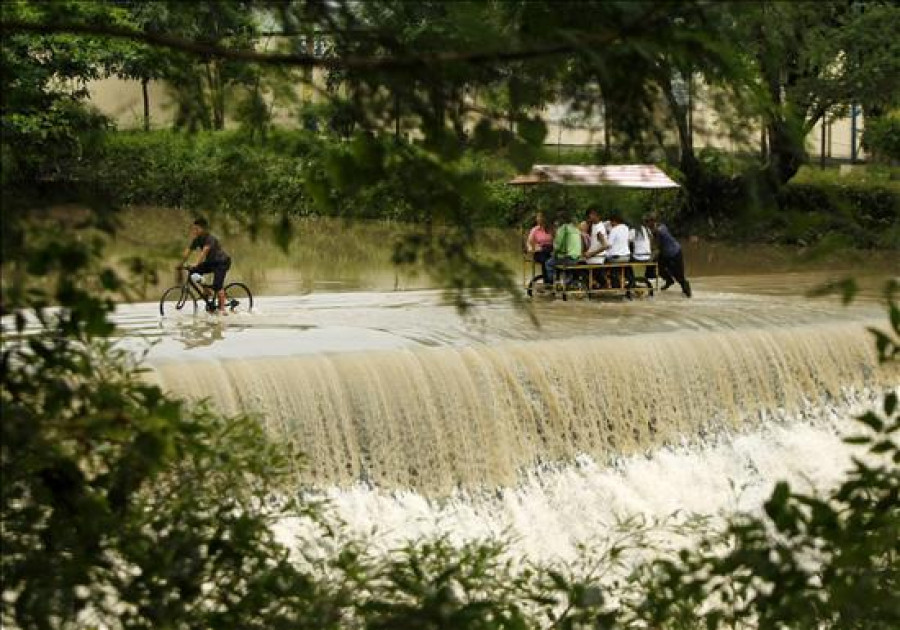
(540, 242)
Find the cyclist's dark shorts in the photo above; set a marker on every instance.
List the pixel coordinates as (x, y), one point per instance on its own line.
(218, 269)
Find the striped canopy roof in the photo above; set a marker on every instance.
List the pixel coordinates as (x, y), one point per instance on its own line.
(621, 175)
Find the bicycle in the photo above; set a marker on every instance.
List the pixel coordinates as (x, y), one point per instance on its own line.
(184, 297)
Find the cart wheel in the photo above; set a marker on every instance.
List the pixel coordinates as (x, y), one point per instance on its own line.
(536, 285)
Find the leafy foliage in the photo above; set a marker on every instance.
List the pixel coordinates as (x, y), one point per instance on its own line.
(41, 110)
(865, 216)
(815, 59)
(291, 176)
(882, 137)
(124, 508)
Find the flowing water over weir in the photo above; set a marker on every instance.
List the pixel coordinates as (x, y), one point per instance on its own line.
(416, 422)
(480, 415)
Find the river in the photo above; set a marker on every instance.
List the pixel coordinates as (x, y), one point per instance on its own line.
(416, 420)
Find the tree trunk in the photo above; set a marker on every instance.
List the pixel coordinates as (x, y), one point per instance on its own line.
(822, 144)
(763, 142)
(216, 95)
(145, 92)
(690, 113)
(607, 135)
(687, 160)
(397, 118)
(786, 152)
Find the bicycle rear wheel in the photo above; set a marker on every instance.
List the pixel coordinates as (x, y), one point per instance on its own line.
(177, 300)
(238, 298)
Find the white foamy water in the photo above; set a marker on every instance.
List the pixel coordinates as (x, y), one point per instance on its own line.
(557, 511)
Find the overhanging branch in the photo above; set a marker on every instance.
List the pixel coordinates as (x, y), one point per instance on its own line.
(299, 60)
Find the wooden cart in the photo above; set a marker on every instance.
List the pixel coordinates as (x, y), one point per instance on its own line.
(591, 280)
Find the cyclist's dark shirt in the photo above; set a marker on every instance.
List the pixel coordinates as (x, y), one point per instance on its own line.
(216, 253)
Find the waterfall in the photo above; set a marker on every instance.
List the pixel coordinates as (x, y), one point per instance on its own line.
(438, 419)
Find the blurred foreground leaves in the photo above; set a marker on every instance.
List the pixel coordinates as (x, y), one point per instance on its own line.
(123, 508)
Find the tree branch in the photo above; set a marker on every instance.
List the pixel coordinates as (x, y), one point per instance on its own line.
(295, 59)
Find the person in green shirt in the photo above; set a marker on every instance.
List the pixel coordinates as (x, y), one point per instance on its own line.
(566, 244)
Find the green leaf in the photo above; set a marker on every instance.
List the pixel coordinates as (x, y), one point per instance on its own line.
(883, 447)
(532, 130)
(870, 419)
(521, 155)
(846, 288)
(890, 404)
(558, 580)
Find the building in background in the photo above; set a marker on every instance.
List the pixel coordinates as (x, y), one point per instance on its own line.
(832, 140)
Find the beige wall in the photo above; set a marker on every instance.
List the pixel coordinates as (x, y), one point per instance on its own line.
(710, 131)
(122, 101)
(837, 139)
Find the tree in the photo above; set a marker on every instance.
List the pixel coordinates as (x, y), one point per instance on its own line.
(142, 62)
(871, 55)
(629, 78)
(231, 24)
(815, 58)
(44, 85)
(201, 86)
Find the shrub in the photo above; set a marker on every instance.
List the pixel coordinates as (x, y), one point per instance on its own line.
(123, 508)
(297, 173)
(882, 137)
(864, 216)
(199, 171)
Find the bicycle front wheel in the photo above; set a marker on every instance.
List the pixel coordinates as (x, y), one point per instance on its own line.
(177, 300)
(238, 298)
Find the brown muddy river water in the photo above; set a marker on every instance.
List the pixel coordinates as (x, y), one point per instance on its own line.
(416, 420)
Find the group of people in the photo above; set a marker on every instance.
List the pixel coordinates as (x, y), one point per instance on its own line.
(595, 241)
(592, 241)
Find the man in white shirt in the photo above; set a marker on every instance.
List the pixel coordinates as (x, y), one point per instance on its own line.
(641, 251)
(596, 251)
(595, 254)
(618, 251)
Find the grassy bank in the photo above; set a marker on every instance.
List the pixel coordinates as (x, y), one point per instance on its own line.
(288, 176)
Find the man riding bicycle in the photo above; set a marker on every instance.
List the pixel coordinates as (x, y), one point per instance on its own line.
(212, 259)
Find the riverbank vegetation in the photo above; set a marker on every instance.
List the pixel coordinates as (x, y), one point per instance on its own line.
(221, 172)
(122, 507)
